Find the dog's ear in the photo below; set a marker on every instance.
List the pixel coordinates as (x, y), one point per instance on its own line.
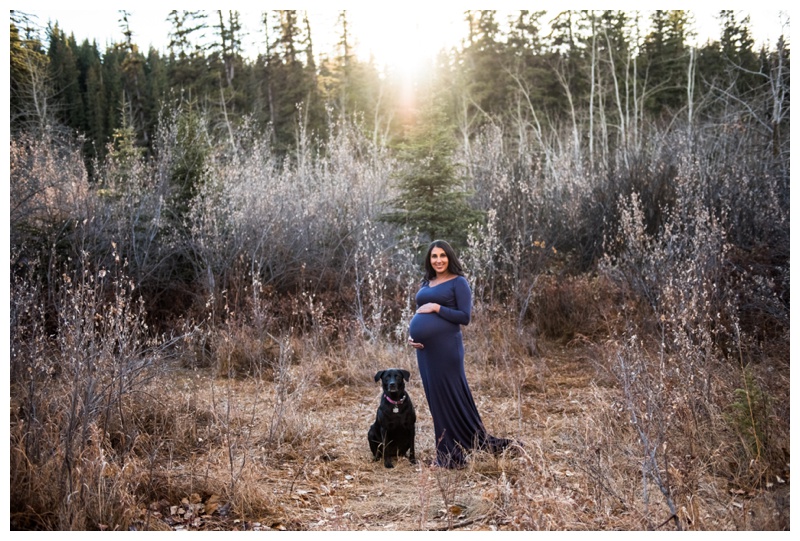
(406, 374)
(379, 375)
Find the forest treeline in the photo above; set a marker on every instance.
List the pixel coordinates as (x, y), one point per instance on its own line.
(507, 72)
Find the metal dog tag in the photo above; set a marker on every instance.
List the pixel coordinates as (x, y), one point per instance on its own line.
(396, 410)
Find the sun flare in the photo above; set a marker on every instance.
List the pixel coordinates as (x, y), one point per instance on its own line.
(403, 42)
(404, 45)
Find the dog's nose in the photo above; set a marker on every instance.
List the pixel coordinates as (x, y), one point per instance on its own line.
(392, 386)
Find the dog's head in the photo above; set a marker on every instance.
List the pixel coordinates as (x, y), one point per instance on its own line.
(393, 381)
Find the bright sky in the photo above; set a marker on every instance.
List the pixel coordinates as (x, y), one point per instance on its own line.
(404, 34)
(394, 36)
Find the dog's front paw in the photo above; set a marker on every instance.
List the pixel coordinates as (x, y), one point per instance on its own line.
(388, 464)
(412, 460)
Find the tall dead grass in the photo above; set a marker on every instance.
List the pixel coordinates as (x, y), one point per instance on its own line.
(77, 360)
(285, 448)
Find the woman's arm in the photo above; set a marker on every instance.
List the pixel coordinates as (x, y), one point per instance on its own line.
(462, 312)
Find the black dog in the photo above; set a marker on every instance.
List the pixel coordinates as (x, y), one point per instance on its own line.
(392, 433)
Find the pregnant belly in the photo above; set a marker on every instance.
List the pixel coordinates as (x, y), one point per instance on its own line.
(426, 327)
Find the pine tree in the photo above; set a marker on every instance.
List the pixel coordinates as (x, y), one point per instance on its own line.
(156, 90)
(188, 66)
(343, 73)
(290, 80)
(111, 77)
(133, 80)
(64, 72)
(93, 96)
(229, 47)
(188, 167)
(739, 58)
(31, 85)
(432, 200)
(666, 58)
(314, 108)
(488, 80)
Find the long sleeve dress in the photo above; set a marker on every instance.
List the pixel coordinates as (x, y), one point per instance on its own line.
(456, 422)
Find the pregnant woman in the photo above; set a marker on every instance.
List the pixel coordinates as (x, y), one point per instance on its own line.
(444, 303)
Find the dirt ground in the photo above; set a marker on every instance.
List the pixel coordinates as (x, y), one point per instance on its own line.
(553, 483)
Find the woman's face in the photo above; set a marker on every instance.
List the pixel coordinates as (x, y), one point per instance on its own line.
(439, 260)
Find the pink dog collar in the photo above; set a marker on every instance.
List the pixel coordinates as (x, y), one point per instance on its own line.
(395, 402)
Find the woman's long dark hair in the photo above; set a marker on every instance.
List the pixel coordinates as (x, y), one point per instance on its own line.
(453, 264)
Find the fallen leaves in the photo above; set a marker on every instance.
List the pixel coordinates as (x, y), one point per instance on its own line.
(191, 513)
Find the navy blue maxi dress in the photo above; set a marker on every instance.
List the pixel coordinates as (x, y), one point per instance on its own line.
(456, 423)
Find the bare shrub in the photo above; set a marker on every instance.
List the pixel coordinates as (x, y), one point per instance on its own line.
(130, 211)
(385, 279)
(71, 382)
(680, 381)
(290, 225)
(655, 401)
(287, 426)
(48, 184)
(241, 351)
(527, 205)
(569, 307)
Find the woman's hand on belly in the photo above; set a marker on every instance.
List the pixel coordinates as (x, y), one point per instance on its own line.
(428, 308)
(414, 344)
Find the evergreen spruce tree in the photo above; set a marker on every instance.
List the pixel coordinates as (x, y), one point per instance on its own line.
(739, 59)
(64, 73)
(666, 57)
(432, 200)
(32, 86)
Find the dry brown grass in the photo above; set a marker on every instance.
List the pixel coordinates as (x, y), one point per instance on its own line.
(271, 434)
(290, 452)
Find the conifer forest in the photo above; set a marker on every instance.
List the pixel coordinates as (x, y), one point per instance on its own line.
(212, 253)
